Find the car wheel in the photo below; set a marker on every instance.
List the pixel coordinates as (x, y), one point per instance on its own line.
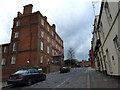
(44, 77)
(29, 82)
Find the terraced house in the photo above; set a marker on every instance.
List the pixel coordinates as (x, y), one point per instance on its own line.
(106, 38)
(34, 42)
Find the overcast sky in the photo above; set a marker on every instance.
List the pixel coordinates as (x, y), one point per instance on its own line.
(73, 19)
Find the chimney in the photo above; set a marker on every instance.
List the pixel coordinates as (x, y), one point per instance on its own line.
(19, 14)
(27, 9)
(53, 26)
(45, 18)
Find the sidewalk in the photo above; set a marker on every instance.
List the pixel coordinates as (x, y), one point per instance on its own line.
(3, 84)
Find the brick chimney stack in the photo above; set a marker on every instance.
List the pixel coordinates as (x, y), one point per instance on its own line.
(53, 26)
(27, 9)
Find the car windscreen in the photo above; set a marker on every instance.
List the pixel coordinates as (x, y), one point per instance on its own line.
(21, 72)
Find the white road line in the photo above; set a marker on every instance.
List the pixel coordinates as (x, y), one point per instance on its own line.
(62, 83)
(88, 80)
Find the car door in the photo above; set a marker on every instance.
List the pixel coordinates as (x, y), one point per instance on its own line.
(32, 75)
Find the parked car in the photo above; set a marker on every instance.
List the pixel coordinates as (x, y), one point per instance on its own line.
(64, 69)
(27, 77)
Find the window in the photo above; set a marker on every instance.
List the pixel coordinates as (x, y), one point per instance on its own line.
(48, 28)
(16, 34)
(52, 33)
(13, 61)
(56, 46)
(59, 48)
(18, 23)
(56, 37)
(59, 40)
(3, 61)
(48, 61)
(107, 10)
(14, 46)
(48, 49)
(48, 39)
(42, 34)
(52, 43)
(41, 59)
(41, 45)
(115, 40)
(53, 52)
(42, 22)
(5, 49)
(102, 32)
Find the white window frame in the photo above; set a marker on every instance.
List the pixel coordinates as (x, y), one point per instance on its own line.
(42, 22)
(52, 43)
(56, 46)
(41, 46)
(16, 34)
(14, 46)
(48, 61)
(48, 39)
(42, 34)
(52, 33)
(41, 59)
(48, 28)
(13, 60)
(17, 23)
(3, 61)
(5, 49)
(53, 52)
(48, 49)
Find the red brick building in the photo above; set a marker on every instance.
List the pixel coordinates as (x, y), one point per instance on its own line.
(91, 56)
(34, 42)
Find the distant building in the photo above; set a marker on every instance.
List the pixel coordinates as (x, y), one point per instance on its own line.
(84, 63)
(34, 42)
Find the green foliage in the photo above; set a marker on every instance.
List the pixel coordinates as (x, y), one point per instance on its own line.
(71, 63)
(32, 67)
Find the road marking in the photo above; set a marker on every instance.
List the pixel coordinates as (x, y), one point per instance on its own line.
(62, 83)
(105, 79)
(88, 80)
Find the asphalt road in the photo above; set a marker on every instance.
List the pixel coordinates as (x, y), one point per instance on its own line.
(77, 78)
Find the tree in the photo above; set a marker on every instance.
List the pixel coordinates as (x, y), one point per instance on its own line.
(70, 54)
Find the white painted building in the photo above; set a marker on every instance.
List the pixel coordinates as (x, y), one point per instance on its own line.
(108, 30)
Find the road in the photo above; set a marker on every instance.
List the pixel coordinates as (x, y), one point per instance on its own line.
(77, 78)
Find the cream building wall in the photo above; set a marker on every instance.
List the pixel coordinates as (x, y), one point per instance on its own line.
(110, 30)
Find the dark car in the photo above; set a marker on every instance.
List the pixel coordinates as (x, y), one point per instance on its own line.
(64, 69)
(26, 77)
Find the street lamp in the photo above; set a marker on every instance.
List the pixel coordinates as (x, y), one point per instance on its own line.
(28, 61)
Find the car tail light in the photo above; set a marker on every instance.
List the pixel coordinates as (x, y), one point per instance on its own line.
(20, 77)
